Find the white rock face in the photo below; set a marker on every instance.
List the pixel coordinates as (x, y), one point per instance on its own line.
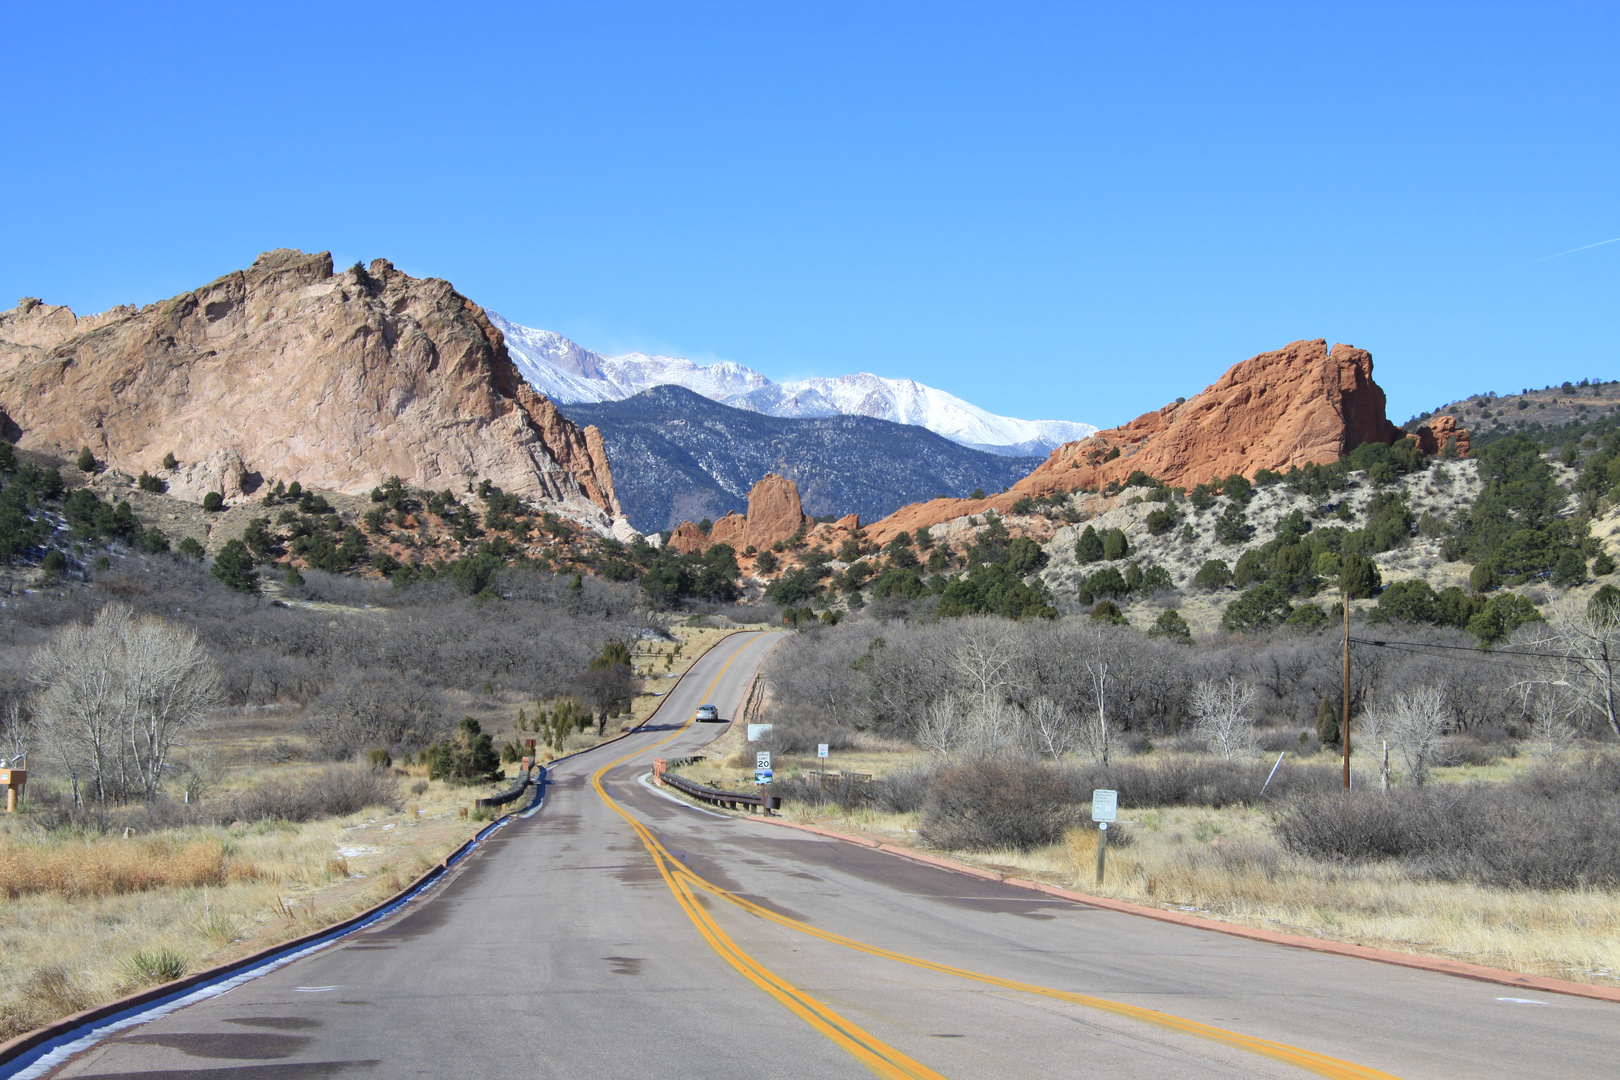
(565, 372)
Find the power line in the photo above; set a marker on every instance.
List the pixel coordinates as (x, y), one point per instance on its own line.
(1501, 663)
(1462, 648)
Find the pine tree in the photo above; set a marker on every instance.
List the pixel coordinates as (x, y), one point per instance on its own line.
(1089, 548)
(235, 566)
(87, 461)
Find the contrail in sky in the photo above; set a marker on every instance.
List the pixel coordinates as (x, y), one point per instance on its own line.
(1571, 251)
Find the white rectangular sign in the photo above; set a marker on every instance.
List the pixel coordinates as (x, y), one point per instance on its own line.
(821, 750)
(1104, 805)
(762, 761)
(756, 731)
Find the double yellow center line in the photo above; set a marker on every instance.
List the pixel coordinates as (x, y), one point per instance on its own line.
(882, 1059)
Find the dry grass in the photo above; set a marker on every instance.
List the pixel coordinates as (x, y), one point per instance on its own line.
(1225, 864)
(101, 866)
(86, 929)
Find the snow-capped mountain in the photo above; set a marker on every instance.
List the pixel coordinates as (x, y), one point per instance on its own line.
(569, 374)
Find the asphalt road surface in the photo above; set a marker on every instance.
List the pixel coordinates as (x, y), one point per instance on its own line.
(621, 933)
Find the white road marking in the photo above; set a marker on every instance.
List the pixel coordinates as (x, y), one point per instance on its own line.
(1524, 1001)
(317, 989)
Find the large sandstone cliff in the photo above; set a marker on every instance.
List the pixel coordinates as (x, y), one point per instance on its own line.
(1304, 403)
(287, 371)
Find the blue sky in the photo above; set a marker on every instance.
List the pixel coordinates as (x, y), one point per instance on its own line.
(1071, 211)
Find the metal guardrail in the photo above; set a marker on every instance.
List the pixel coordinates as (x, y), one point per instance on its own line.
(731, 800)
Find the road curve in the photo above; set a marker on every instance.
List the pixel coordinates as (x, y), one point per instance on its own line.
(621, 933)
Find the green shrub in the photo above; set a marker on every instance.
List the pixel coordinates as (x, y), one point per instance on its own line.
(1089, 548)
(1307, 617)
(235, 566)
(1501, 616)
(1213, 576)
(1570, 569)
(1171, 625)
(213, 502)
(1107, 611)
(189, 546)
(1359, 579)
(1327, 723)
(1251, 567)
(1412, 601)
(1162, 520)
(1233, 527)
(87, 461)
(1115, 545)
(1602, 565)
(147, 482)
(151, 968)
(169, 462)
(1261, 608)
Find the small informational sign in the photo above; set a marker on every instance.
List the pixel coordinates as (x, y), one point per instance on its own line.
(763, 776)
(1104, 805)
(762, 761)
(821, 750)
(758, 731)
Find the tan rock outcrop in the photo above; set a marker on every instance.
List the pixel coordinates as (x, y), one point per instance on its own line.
(287, 371)
(1433, 436)
(1304, 403)
(774, 514)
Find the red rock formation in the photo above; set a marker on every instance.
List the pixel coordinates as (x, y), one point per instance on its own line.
(1301, 404)
(774, 514)
(1433, 436)
(288, 371)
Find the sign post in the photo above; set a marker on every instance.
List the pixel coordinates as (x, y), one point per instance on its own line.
(1104, 809)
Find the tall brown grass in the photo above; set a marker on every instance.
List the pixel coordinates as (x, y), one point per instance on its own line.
(101, 867)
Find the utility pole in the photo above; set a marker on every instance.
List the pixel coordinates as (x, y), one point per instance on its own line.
(1344, 721)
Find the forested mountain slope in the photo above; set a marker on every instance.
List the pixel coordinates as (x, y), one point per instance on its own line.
(677, 456)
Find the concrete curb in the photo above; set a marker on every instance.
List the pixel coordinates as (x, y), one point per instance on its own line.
(1458, 968)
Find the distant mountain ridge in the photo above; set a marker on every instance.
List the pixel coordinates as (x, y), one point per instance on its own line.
(570, 374)
(679, 456)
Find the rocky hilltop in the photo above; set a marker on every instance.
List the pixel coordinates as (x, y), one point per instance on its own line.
(1306, 403)
(288, 371)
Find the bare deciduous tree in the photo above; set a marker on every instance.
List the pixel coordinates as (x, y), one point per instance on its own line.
(1414, 722)
(1552, 735)
(1050, 727)
(1221, 717)
(119, 695)
(376, 709)
(17, 735)
(1587, 641)
(941, 725)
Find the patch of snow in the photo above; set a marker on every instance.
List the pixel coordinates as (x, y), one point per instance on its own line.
(568, 373)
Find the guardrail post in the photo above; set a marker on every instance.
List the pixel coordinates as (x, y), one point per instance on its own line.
(659, 765)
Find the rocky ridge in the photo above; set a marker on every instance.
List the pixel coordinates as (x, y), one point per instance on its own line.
(289, 371)
(1305, 403)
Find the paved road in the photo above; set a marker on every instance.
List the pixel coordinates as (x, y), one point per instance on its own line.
(578, 944)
